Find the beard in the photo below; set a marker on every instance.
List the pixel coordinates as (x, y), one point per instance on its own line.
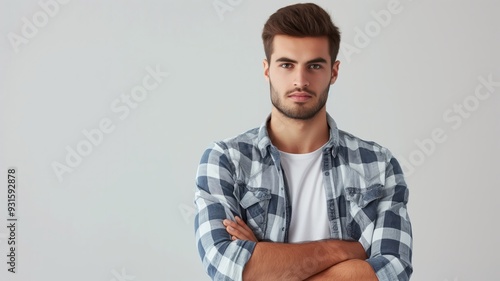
(298, 111)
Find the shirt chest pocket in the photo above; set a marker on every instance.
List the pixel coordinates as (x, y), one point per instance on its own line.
(362, 208)
(255, 204)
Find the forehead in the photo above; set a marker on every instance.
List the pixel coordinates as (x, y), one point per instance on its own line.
(300, 48)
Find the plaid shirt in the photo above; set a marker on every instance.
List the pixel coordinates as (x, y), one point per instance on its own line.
(365, 190)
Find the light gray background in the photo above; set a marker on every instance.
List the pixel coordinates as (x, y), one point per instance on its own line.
(127, 209)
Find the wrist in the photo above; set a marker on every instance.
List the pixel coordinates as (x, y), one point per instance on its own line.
(346, 250)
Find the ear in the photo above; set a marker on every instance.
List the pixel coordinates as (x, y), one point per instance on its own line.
(265, 64)
(335, 72)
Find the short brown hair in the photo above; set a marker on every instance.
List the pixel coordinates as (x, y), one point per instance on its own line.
(301, 20)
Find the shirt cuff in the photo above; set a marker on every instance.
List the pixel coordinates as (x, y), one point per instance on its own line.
(386, 269)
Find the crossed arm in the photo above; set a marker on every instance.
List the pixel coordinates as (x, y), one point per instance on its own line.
(312, 261)
(388, 236)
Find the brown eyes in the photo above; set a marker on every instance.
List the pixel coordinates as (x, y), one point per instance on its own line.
(286, 65)
(311, 66)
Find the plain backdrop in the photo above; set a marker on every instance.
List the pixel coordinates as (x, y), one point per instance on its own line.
(413, 77)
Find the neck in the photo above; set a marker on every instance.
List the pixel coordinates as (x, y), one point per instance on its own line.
(298, 136)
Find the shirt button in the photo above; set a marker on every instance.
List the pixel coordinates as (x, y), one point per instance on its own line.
(327, 173)
(282, 229)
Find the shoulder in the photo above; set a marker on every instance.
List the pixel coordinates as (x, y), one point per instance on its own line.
(241, 142)
(353, 143)
(366, 158)
(358, 153)
(347, 144)
(233, 148)
(240, 155)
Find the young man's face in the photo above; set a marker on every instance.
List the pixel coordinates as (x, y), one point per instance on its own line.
(300, 74)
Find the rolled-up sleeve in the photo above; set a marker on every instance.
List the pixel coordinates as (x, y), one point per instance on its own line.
(390, 250)
(223, 258)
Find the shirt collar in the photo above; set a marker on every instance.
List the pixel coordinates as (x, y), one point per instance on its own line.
(264, 141)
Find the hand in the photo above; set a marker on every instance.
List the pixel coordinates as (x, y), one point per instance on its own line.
(239, 230)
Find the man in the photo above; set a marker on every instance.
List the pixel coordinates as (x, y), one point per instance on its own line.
(298, 199)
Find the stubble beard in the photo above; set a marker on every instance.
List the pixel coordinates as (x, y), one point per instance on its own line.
(298, 111)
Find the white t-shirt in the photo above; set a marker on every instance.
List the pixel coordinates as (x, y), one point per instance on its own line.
(309, 221)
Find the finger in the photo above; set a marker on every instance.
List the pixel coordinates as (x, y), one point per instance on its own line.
(240, 222)
(234, 229)
(243, 228)
(229, 223)
(239, 229)
(237, 233)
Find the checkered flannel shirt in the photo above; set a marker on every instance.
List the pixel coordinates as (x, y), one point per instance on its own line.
(365, 191)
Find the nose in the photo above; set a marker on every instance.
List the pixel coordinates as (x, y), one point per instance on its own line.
(301, 80)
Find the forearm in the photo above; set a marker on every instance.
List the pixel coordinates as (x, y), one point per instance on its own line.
(350, 270)
(280, 261)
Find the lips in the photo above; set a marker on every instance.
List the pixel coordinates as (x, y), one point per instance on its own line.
(300, 96)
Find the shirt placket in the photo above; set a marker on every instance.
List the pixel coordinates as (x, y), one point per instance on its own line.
(329, 177)
(283, 193)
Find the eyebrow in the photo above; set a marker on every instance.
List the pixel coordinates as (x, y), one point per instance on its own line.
(316, 60)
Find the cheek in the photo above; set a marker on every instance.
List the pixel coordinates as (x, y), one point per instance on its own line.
(278, 77)
(284, 76)
(276, 73)
(324, 79)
